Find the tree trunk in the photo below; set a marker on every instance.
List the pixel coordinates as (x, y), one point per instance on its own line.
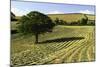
(36, 38)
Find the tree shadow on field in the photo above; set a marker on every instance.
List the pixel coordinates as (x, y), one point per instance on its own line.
(62, 39)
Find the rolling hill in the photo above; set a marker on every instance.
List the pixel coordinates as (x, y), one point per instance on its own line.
(68, 16)
(71, 17)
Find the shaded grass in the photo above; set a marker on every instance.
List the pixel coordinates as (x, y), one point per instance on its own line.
(62, 40)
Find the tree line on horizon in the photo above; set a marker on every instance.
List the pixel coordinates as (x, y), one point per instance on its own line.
(82, 21)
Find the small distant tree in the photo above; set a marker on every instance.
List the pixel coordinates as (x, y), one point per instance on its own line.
(61, 22)
(12, 16)
(57, 20)
(84, 20)
(35, 23)
(74, 23)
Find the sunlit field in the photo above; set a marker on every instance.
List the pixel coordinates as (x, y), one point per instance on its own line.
(65, 44)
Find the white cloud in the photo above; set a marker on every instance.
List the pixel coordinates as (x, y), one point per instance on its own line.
(55, 12)
(18, 12)
(86, 12)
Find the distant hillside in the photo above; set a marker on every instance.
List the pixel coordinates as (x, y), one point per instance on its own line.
(71, 17)
(68, 17)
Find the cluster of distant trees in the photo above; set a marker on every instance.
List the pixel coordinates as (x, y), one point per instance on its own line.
(82, 21)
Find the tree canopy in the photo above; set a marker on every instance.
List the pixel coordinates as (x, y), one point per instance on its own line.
(35, 23)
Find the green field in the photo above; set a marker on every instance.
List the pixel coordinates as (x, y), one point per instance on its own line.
(65, 44)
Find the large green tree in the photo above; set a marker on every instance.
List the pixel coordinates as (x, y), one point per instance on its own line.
(35, 23)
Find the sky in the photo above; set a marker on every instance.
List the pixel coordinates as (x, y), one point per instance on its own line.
(20, 8)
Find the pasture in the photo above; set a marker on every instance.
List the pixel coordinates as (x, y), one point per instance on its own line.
(65, 44)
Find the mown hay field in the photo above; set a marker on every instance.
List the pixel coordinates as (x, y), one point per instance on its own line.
(65, 44)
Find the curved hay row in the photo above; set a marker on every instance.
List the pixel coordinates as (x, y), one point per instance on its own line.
(55, 56)
(90, 53)
(74, 56)
(69, 51)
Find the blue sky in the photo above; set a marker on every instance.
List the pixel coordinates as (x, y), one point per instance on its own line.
(20, 8)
